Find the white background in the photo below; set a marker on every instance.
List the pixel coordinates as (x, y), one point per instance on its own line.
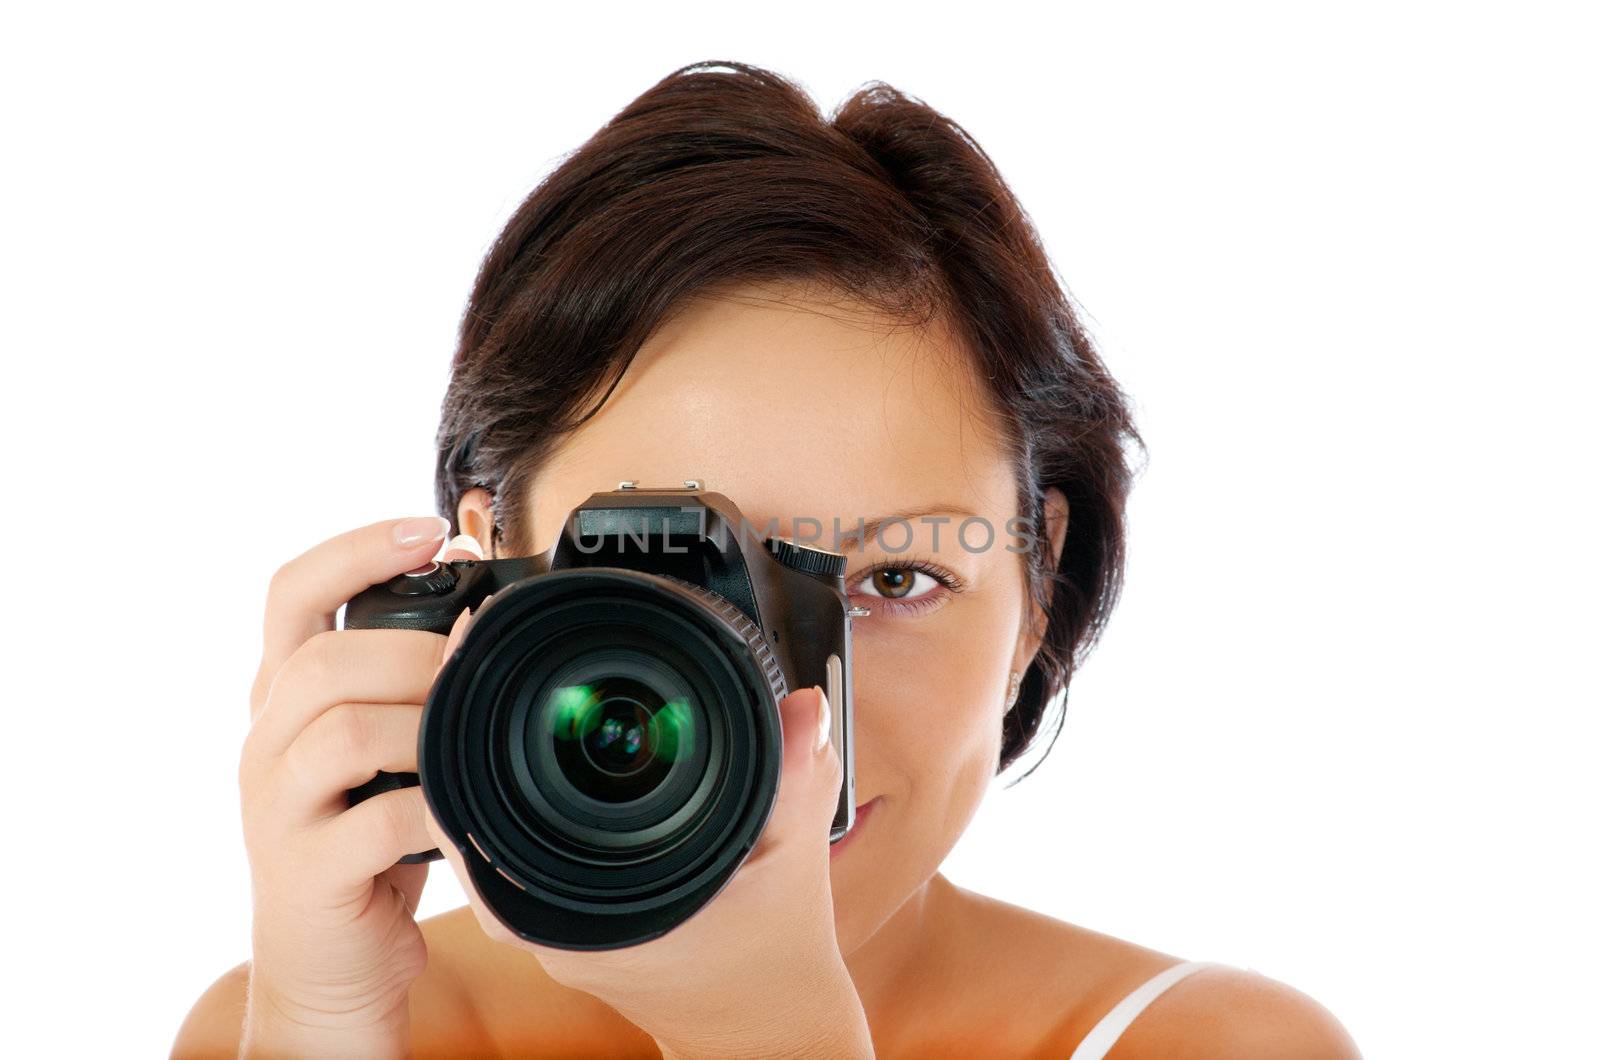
(1342, 729)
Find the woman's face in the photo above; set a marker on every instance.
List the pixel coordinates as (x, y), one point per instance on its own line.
(801, 409)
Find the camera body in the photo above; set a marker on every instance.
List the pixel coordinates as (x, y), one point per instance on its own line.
(603, 747)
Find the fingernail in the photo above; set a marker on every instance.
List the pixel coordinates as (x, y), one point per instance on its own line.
(409, 533)
(824, 718)
(466, 543)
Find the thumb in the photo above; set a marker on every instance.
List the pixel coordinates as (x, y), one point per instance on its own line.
(808, 787)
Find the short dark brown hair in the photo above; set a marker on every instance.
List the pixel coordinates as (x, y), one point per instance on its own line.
(724, 173)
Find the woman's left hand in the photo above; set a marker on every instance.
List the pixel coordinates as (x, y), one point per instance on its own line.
(757, 971)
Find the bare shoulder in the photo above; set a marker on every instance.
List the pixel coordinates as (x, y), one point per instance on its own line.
(442, 1019)
(1230, 1012)
(1075, 976)
(1052, 979)
(215, 1022)
(507, 1005)
(476, 997)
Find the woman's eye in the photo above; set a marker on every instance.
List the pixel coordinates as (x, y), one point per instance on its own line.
(898, 583)
(910, 587)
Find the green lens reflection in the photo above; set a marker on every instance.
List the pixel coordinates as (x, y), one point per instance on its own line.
(577, 714)
(614, 735)
(574, 711)
(670, 730)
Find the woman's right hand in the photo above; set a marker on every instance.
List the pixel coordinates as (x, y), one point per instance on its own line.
(335, 942)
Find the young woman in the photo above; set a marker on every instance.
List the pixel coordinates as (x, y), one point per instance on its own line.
(843, 319)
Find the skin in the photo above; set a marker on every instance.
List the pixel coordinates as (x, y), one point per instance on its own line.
(861, 950)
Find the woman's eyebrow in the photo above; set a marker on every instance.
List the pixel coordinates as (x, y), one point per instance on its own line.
(851, 536)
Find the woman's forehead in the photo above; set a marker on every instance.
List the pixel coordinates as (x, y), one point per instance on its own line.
(792, 407)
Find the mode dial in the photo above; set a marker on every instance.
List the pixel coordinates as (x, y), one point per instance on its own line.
(806, 560)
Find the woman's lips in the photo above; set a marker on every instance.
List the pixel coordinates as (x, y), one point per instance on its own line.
(862, 813)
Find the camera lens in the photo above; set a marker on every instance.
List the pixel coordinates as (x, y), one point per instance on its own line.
(603, 748)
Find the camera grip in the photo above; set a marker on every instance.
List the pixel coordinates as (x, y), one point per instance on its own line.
(428, 601)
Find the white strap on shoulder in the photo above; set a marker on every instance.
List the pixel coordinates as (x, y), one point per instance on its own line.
(1104, 1034)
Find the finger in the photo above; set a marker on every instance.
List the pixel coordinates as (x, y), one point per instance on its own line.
(462, 546)
(458, 630)
(808, 787)
(343, 666)
(343, 748)
(408, 880)
(306, 592)
(371, 836)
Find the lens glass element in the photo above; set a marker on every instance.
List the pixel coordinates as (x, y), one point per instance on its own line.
(615, 721)
(617, 736)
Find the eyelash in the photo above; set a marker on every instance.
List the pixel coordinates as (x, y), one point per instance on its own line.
(949, 581)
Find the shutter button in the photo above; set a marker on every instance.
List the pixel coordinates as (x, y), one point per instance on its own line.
(430, 579)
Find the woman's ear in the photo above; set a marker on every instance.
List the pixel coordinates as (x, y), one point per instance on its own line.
(1056, 514)
(475, 517)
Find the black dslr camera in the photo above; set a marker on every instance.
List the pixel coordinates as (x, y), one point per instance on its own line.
(603, 747)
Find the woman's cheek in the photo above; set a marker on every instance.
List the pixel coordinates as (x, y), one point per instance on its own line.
(923, 691)
(922, 743)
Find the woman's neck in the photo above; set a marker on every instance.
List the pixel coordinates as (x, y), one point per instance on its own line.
(892, 967)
